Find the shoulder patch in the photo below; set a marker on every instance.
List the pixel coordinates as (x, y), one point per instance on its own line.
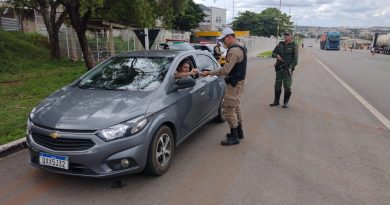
(228, 56)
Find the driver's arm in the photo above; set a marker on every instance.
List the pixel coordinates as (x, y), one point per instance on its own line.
(179, 75)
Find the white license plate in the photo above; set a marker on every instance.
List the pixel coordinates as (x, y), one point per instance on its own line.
(54, 160)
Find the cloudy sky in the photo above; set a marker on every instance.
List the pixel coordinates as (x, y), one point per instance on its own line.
(329, 13)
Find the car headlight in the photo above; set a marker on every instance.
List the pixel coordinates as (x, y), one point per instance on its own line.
(29, 125)
(124, 129)
(32, 113)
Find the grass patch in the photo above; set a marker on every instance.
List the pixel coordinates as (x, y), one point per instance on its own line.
(265, 54)
(24, 91)
(27, 78)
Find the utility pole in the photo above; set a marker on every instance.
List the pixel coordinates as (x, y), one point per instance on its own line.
(277, 28)
(233, 11)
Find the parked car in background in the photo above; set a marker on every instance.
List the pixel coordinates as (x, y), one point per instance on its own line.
(182, 46)
(210, 48)
(125, 115)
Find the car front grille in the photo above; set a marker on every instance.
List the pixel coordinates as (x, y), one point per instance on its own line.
(62, 144)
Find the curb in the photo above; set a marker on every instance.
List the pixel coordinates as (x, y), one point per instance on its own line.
(12, 147)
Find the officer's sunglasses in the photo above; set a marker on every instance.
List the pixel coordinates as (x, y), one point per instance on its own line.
(223, 39)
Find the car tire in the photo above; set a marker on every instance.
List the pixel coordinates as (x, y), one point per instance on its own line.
(220, 117)
(161, 150)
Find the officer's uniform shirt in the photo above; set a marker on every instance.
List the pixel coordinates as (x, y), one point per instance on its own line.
(235, 55)
(289, 53)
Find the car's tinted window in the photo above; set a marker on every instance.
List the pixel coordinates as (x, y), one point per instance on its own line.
(127, 73)
(205, 48)
(205, 62)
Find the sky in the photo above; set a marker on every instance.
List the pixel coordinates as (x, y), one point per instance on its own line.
(324, 13)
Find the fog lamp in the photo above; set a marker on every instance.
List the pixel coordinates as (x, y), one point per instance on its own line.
(125, 163)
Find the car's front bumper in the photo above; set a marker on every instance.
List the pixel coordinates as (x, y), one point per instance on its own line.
(102, 159)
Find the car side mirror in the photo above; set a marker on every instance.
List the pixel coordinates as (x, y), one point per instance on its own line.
(183, 83)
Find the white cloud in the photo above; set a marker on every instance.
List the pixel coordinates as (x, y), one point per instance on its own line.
(331, 13)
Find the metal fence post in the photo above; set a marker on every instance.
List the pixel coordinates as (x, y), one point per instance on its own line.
(128, 41)
(67, 42)
(97, 46)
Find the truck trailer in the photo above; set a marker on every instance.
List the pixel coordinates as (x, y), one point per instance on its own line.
(381, 43)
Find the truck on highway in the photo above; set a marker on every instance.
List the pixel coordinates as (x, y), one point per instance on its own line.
(381, 43)
(330, 40)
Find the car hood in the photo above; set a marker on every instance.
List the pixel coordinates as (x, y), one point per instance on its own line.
(81, 109)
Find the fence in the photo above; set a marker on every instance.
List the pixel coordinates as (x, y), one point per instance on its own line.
(126, 40)
(256, 44)
(10, 24)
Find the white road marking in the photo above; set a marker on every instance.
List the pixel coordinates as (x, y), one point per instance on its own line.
(366, 104)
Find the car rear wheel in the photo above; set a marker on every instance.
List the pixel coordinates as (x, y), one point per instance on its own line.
(220, 117)
(160, 152)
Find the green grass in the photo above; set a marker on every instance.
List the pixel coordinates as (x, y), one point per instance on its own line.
(265, 54)
(27, 76)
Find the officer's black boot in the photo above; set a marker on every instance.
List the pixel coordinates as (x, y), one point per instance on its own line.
(240, 132)
(286, 99)
(232, 138)
(276, 100)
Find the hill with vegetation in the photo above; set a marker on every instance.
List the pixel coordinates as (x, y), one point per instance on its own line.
(27, 76)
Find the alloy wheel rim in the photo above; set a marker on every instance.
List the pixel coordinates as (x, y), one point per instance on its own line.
(163, 150)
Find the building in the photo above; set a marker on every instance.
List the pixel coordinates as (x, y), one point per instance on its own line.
(215, 19)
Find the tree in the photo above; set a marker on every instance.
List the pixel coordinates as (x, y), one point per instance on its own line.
(190, 19)
(139, 13)
(48, 9)
(166, 10)
(142, 13)
(136, 13)
(80, 11)
(264, 23)
(247, 21)
(270, 18)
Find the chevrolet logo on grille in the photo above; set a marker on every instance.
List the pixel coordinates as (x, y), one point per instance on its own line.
(55, 135)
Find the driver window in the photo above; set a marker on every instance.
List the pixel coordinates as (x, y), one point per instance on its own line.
(185, 69)
(206, 63)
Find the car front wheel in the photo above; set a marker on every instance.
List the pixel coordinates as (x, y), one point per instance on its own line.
(160, 152)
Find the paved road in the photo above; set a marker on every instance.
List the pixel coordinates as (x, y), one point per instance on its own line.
(327, 148)
(367, 74)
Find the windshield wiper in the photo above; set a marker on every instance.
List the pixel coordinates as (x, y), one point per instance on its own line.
(85, 87)
(106, 87)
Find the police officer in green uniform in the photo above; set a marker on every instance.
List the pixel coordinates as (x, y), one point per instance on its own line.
(286, 54)
(234, 71)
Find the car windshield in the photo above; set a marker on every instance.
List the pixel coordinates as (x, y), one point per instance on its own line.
(127, 73)
(333, 37)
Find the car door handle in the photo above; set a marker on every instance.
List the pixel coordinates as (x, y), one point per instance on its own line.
(202, 92)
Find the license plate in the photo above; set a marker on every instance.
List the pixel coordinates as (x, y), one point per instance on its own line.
(51, 160)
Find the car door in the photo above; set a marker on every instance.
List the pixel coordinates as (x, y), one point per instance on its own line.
(213, 83)
(190, 103)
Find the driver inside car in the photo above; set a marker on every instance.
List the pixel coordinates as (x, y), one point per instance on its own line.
(184, 70)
